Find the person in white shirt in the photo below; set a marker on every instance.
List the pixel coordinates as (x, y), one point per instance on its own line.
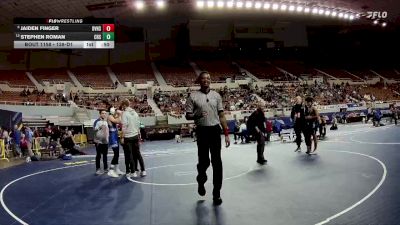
(130, 140)
(243, 132)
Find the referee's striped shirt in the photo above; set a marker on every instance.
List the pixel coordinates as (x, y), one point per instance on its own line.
(200, 102)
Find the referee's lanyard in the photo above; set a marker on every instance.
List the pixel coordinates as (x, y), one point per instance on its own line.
(209, 104)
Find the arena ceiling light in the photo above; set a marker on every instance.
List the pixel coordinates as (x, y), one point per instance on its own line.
(299, 8)
(375, 22)
(249, 5)
(259, 4)
(200, 4)
(327, 13)
(384, 24)
(160, 4)
(210, 4)
(139, 5)
(314, 10)
(239, 4)
(220, 4)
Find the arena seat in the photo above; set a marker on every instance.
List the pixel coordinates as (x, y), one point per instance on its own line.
(177, 74)
(138, 72)
(54, 76)
(93, 76)
(340, 74)
(296, 68)
(219, 70)
(263, 70)
(16, 78)
(388, 73)
(364, 74)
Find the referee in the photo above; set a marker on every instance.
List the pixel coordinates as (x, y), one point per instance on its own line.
(205, 108)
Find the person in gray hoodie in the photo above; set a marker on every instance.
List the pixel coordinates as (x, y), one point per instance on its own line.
(101, 141)
(130, 140)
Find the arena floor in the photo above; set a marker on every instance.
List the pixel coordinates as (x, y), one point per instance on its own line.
(354, 179)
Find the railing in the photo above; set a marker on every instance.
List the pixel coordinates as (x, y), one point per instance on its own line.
(3, 154)
(100, 88)
(33, 103)
(56, 81)
(94, 108)
(16, 86)
(121, 94)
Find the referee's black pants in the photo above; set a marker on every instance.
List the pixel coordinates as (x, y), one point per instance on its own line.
(260, 146)
(298, 129)
(394, 117)
(209, 141)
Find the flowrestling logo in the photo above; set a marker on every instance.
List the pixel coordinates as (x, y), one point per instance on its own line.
(377, 15)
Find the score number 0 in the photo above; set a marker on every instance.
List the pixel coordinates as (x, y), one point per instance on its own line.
(108, 27)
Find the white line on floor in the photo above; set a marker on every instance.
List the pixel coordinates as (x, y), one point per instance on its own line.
(33, 174)
(374, 143)
(367, 196)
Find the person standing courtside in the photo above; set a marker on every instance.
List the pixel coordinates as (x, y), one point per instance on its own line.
(205, 108)
(257, 127)
(130, 133)
(311, 116)
(113, 120)
(298, 119)
(101, 140)
(394, 114)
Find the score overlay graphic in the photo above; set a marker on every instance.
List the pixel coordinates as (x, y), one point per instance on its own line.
(45, 33)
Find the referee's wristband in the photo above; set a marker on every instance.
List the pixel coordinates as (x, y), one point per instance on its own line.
(226, 132)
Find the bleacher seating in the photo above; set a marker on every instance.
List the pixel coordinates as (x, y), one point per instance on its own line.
(314, 73)
(219, 70)
(238, 99)
(173, 103)
(294, 67)
(11, 96)
(232, 99)
(263, 70)
(179, 75)
(100, 101)
(16, 97)
(379, 92)
(15, 78)
(54, 76)
(138, 72)
(93, 76)
(341, 74)
(363, 74)
(388, 73)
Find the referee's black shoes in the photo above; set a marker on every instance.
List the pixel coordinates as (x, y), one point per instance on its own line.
(201, 190)
(217, 201)
(262, 161)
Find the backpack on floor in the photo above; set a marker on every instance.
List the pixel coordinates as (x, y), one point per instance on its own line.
(66, 157)
(34, 158)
